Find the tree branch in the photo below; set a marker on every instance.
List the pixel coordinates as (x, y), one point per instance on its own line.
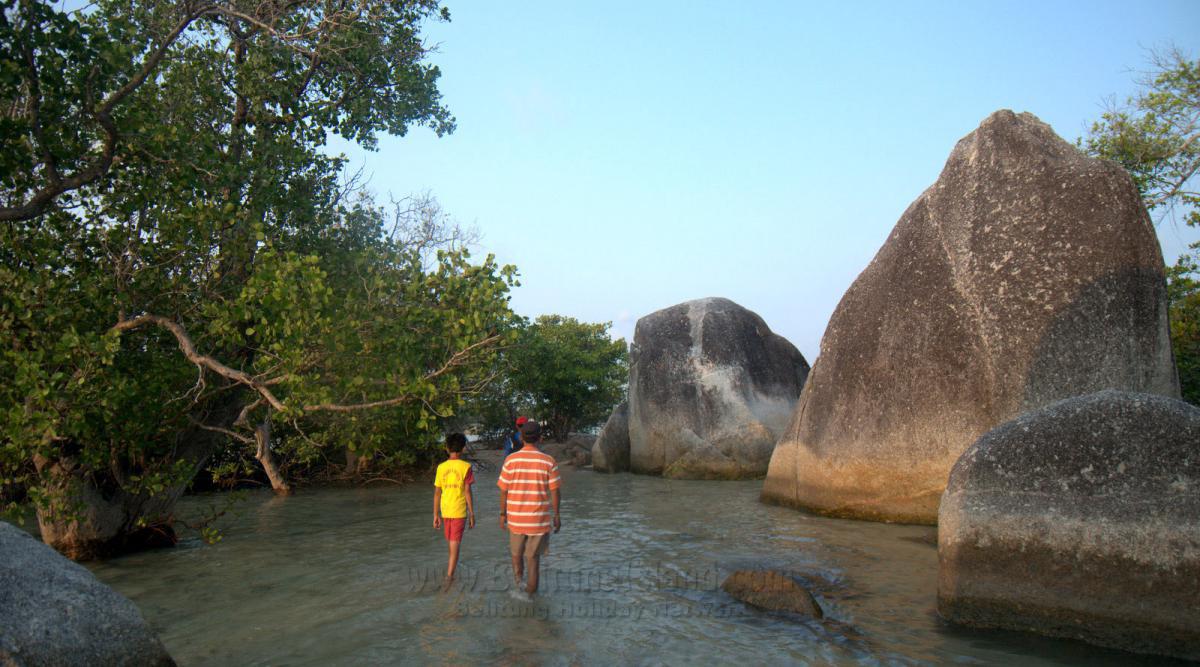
(224, 431)
(454, 361)
(206, 362)
(43, 198)
(189, 350)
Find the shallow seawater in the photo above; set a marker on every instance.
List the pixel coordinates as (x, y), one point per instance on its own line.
(351, 576)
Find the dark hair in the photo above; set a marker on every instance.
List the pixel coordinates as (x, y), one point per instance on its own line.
(531, 432)
(455, 442)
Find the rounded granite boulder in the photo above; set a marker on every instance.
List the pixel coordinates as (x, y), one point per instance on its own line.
(1028, 273)
(711, 389)
(55, 612)
(1080, 520)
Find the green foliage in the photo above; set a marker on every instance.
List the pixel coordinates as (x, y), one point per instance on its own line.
(166, 160)
(1183, 289)
(1156, 137)
(397, 328)
(493, 412)
(572, 372)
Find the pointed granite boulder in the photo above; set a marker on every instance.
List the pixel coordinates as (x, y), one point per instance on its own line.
(1026, 274)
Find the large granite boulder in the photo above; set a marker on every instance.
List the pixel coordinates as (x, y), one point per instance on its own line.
(1026, 274)
(711, 389)
(55, 612)
(611, 451)
(1080, 520)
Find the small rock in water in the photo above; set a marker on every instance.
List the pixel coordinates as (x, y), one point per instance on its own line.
(768, 589)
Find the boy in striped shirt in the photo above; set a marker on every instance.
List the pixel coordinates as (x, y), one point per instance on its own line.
(529, 495)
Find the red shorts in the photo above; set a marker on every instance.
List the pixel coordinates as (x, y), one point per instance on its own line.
(454, 528)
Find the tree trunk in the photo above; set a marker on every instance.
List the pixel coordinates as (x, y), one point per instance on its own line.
(356, 465)
(84, 521)
(91, 515)
(560, 428)
(262, 437)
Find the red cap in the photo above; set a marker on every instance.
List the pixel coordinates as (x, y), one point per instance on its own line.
(521, 421)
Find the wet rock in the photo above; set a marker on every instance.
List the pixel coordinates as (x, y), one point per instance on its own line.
(1080, 520)
(1026, 274)
(711, 388)
(55, 612)
(611, 451)
(576, 451)
(771, 590)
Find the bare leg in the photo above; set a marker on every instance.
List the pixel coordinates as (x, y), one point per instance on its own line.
(450, 566)
(518, 569)
(532, 564)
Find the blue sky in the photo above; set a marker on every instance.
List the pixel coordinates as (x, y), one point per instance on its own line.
(630, 156)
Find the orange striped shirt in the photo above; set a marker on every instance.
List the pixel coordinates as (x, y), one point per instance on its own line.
(527, 477)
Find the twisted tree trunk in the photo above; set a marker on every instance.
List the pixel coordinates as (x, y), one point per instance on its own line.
(90, 513)
(262, 438)
(85, 521)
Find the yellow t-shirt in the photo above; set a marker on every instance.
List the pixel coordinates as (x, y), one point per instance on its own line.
(452, 478)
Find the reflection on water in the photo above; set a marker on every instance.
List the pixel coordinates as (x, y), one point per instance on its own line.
(352, 576)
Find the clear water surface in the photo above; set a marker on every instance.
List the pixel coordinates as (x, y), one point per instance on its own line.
(351, 576)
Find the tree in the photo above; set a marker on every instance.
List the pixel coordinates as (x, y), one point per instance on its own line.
(1156, 137)
(492, 414)
(182, 263)
(573, 372)
(1183, 291)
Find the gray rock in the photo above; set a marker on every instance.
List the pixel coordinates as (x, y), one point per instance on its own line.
(611, 451)
(711, 389)
(576, 451)
(771, 590)
(1026, 274)
(55, 612)
(1080, 520)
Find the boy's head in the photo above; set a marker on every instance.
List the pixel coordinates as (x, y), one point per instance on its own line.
(455, 442)
(531, 432)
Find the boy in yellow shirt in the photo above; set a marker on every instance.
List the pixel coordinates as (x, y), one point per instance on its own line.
(453, 502)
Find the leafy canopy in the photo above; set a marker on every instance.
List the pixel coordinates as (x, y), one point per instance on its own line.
(181, 258)
(572, 372)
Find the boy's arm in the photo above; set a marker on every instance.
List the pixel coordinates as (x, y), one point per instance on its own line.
(503, 484)
(470, 506)
(554, 496)
(469, 482)
(437, 507)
